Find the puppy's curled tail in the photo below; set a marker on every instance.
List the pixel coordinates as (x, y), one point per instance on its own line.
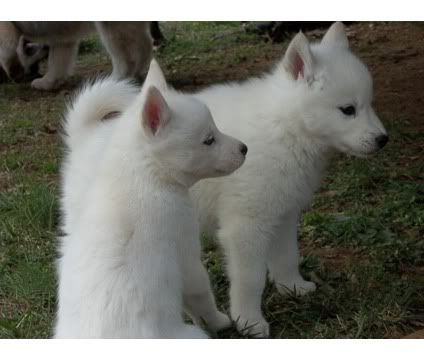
(93, 103)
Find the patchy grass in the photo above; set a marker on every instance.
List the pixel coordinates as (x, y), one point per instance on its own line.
(27, 285)
(362, 239)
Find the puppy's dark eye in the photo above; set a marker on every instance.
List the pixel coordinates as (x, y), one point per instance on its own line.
(209, 141)
(348, 110)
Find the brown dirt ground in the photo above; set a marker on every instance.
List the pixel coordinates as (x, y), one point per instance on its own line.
(394, 53)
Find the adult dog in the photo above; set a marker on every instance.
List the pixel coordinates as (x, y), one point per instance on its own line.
(128, 43)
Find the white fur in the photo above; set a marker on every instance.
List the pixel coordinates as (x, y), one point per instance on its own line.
(291, 121)
(130, 256)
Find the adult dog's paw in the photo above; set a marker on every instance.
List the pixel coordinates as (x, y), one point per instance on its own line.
(44, 84)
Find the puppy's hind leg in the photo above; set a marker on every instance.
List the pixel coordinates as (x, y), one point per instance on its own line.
(283, 259)
(61, 63)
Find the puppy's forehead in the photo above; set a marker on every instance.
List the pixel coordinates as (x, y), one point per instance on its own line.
(344, 72)
(193, 111)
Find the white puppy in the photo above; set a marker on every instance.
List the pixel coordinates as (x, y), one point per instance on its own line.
(316, 100)
(130, 254)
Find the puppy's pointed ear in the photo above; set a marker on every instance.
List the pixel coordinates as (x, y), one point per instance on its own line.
(155, 113)
(298, 61)
(336, 36)
(155, 76)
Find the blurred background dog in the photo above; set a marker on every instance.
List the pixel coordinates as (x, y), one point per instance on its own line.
(23, 44)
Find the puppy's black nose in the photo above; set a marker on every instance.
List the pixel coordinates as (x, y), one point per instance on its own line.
(381, 140)
(243, 149)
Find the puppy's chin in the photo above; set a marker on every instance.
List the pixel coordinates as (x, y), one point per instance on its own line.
(228, 171)
(223, 172)
(358, 155)
(220, 172)
(361, 154)
(344, 149)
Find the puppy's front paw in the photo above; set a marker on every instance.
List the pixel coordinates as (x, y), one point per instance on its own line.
(300, 287)
(219, 321)
(253, 327)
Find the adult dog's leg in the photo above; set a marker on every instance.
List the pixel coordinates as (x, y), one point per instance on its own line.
(9, 40)
(284, 258)
(61, 63)
(144, 48)
(130, 46)
(245, 243)
(198, 298)
(156, 33)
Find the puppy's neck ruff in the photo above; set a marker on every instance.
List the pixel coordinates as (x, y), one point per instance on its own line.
(169, 179)
(283, 118)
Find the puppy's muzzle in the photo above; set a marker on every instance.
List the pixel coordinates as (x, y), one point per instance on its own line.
(381, 140)
(243, 149)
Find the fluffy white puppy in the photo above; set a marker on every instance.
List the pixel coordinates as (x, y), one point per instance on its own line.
(316, 101)
(130, 256)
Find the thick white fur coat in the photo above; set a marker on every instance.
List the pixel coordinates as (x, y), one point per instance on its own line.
(315, 101)
(130, 257)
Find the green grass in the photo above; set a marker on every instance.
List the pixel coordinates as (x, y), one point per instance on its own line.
(28, 218)
(362, 239)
